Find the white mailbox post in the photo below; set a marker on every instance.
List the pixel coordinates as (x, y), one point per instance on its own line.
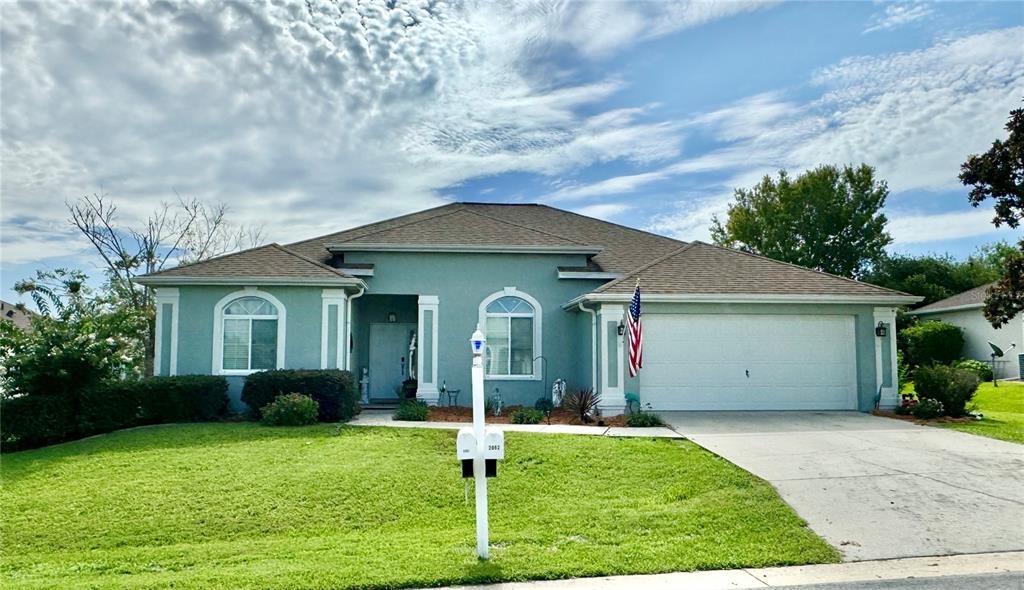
(479, 444)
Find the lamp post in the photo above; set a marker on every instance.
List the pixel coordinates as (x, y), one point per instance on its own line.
(477, 341)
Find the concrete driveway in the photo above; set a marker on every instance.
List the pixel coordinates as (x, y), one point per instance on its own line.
(877, 488)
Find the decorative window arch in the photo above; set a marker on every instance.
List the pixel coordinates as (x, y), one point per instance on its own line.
(511, 320)
(248, 333)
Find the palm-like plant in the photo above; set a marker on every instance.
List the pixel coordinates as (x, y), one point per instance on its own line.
(582, 403)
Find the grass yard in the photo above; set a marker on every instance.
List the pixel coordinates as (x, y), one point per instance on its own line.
(1003, 408)
(246, 506)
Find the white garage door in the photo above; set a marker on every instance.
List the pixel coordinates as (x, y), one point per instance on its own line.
(749, 362)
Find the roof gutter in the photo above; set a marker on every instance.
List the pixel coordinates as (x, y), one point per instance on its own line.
(747, 298)
(473, 248)
(964, 307)
(156, 281)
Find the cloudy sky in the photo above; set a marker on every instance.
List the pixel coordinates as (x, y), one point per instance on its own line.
(314, 116)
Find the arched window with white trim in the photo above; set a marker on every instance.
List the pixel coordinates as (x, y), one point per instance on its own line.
(511, 323)
(249, 333)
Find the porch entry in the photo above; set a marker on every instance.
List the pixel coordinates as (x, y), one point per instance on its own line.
(389, 359)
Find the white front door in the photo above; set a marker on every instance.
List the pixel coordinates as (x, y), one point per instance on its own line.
(749, 362)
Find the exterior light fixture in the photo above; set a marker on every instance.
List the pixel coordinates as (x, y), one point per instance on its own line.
(392, 317)
(881, 330)
(622, 328)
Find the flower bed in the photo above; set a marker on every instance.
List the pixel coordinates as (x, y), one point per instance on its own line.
(558, 416)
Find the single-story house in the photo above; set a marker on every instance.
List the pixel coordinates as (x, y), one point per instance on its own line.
(723, 329)
(964, 310)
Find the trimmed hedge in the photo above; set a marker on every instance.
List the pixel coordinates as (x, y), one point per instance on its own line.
(933, 342)
(38, 420)
(952, 388)
(334, 390)
(34, 421)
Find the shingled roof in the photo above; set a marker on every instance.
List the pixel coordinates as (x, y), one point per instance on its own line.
(269, 262)
(622, 248)
(699, 268)
(968, 299)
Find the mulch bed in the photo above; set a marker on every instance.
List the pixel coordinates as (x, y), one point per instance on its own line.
(908, 418)
(558, 416)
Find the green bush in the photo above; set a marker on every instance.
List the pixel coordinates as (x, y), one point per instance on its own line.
(183, 398)
(582, 403)
(644, 420)
(933, 342)
(927, 409)
(953, 388)
(411, 410)
(34, 421)
(290, 409)
(980, 368)
(332, 389)
(109, 406)
(544, 405)
(526, 416)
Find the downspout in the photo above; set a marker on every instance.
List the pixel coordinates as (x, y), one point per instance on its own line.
(593, 346)
(348, 331)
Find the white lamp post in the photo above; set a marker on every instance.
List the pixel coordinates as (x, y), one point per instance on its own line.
(479, 444)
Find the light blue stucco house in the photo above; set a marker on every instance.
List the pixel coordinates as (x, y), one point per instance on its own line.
(400, 298)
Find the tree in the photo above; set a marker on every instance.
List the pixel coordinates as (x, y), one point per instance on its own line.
(827, 219)
(999, 174)
(189, 231)
(936, 277)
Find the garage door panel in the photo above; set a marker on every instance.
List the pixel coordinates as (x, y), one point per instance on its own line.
(755, 362)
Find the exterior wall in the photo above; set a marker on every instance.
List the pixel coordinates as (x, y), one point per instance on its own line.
(864, 325)
(196, 321)
(978, 332)
(461, 281)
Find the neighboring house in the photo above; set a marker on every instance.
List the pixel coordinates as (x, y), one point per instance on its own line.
(16, 314)
(723, 329)
(964, 310)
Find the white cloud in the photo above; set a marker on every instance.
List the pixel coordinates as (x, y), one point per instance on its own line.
(316, 116)
(605, 211)
(898, 14)
(917, 228)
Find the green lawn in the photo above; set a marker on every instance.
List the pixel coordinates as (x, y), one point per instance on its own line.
(1003, 408)
(246, 506)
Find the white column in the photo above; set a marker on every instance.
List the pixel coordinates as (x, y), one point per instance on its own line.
(890, 394)
(333, 298)
(166, 296)
(613, 381)
(426, 349)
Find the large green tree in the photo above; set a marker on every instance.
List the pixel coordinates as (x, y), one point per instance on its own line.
(998, 174)
(828, 219)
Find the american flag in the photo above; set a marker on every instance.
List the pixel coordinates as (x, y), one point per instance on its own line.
(636, 334)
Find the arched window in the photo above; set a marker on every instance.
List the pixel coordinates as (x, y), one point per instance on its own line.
(249, 333)
(511, 322)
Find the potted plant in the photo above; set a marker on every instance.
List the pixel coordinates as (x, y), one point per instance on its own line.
(409, 388)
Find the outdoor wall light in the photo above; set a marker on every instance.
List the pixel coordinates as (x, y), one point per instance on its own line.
(622, 328)
(881, 330)
(392, 317)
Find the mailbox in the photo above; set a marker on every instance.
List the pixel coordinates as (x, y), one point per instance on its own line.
(465, 444)
(494, 444)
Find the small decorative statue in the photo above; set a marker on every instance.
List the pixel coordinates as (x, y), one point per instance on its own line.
(412, 356)
(364, 385)
(557, 392)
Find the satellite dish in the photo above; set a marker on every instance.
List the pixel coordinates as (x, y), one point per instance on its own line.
(996, 351)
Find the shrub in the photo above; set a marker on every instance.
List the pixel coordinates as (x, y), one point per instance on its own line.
(183, 398)
(933, 342)
(34, 421)
(927, 409)
(904, 374)
(526, 416)
(544, 405)
(332, 389)
(953, 388)
(411, 410)
(109, 406)
(290, 409)
(980, 368)
(644, 420)
(582, 403)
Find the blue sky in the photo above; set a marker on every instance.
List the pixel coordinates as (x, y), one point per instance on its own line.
(643, 113)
